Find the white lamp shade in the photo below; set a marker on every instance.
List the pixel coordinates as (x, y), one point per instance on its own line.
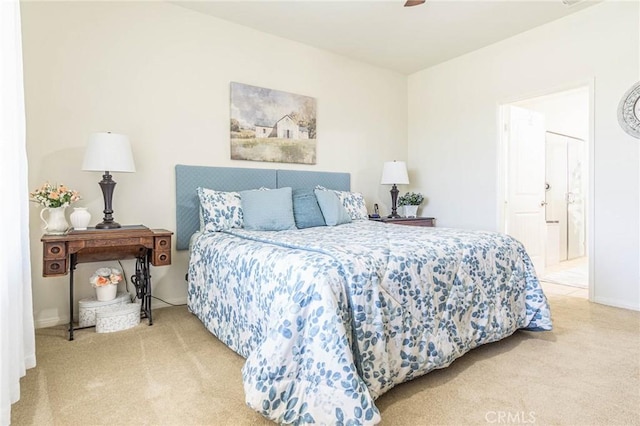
(108, 152)
(394, 173)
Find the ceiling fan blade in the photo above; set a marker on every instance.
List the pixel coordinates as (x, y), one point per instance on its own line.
(410, 3)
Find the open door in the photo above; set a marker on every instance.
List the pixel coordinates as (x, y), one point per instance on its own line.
(525, 188)
(566, 204)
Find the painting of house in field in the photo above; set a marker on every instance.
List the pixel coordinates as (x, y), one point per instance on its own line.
(285, 128)
(271, 125)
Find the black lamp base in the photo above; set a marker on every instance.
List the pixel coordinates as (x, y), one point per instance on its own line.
(107, 185)
(108, 225)
(394, 202)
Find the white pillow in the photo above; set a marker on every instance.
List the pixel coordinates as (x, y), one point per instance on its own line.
(220, 210)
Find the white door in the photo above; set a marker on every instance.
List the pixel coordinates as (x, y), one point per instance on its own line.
(556, 195)
(566, 176)
(576, 190)
(525, 212)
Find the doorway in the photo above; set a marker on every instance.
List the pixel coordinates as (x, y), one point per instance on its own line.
(562, 193)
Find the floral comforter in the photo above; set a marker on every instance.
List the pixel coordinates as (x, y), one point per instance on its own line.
(330, 318)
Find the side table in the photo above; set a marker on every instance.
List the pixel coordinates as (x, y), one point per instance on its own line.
(61, 254)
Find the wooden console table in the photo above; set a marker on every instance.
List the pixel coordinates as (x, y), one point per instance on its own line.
(148, 246)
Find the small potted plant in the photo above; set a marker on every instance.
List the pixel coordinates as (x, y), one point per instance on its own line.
(410, 201)
(105, 281)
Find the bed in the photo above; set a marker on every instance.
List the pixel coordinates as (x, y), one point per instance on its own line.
(331, 317)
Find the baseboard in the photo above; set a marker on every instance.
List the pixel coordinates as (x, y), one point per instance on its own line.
(615, 303)
(155, 304)
(50, 322)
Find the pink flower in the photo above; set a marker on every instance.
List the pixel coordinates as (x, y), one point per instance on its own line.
(54, 195)
(100, 281)
(106, 276)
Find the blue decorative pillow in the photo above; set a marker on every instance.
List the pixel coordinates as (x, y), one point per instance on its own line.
(220, 210)
(270, 210)
(353, 202)
(306, 210)
(332, 209)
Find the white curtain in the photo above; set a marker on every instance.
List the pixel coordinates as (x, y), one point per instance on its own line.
(17, 341)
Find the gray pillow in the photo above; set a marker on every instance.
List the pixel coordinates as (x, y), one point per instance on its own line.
(270, 210)
(332, 209)
(306, 210)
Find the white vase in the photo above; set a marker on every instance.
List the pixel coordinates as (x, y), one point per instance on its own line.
(104, 293)
(56, 222)
(410, 211)
(80, 218)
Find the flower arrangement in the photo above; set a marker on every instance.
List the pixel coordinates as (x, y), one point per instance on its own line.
(54, 195)
(410, 199)
(105, 276)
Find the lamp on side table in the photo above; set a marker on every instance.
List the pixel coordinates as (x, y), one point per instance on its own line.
(108, 152)
(394, 173)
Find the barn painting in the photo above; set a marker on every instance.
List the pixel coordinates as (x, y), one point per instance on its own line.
(271, 125)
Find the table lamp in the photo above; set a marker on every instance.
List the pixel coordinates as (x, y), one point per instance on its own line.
(394, 173)
(108, 152)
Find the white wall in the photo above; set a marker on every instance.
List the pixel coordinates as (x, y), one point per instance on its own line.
(160, 73)
(566, 112)
(453, 135)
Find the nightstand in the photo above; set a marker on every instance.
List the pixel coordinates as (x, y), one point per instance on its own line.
(411, 221)
(148, 246)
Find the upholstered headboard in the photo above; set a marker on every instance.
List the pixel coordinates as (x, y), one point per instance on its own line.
(189, 178)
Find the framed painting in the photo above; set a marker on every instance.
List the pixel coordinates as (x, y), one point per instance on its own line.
(271, 125)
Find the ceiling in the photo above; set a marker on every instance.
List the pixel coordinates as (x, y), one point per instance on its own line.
(386, 34)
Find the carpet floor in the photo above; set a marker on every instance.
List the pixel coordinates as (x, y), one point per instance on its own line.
(584, 372)
(577, 276)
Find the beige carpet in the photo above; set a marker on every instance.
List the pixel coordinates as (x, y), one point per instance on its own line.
(576, 276)
(585, 372)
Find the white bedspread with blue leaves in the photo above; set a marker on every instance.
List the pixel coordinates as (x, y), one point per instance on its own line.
(330, 318)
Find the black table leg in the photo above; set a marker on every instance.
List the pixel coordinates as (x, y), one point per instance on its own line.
(72, 267)
(142, 282)
(148, 284)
